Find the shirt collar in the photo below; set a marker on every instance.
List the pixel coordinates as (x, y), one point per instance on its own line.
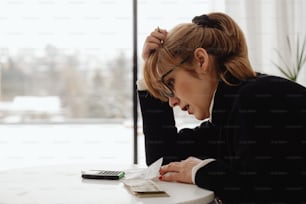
(211, 106)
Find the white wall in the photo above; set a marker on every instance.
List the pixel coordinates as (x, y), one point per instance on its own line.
(266, 23)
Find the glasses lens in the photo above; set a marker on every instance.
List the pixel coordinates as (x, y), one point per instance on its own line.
(167, 92)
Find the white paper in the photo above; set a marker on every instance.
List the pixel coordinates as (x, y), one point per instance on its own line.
(140, 182)
(148, 173)
(153, 170)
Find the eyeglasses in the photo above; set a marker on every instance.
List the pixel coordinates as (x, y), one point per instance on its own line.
(168, 91)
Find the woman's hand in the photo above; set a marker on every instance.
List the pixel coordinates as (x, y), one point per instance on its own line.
(179, 171)
(153, 41)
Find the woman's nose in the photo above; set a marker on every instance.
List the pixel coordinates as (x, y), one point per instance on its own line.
(173, 101)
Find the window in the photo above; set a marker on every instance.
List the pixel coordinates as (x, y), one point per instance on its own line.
(65, 60)
(69, 62)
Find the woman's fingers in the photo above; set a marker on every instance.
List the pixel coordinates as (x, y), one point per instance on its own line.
(183, 176)
(179, 171)
(170, 176)
(171, 167)
(153, 41)
(160, 36)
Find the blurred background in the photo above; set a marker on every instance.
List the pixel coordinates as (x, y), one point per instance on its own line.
(66, 70)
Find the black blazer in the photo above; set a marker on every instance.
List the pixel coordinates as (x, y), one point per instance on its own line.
(257, 136)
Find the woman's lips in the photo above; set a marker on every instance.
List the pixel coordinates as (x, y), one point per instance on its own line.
(186, 108)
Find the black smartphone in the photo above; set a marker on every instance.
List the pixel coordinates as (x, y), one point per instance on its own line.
(103, 174)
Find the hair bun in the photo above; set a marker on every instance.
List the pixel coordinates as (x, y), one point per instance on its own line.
(205, 21)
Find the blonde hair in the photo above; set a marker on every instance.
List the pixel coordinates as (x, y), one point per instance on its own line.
(217, 33)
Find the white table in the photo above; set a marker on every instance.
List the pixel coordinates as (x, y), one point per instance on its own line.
(63, 184)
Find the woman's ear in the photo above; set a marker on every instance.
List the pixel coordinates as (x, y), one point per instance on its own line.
(201, 60)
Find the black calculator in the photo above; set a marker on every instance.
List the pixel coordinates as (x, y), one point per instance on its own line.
(103, 174)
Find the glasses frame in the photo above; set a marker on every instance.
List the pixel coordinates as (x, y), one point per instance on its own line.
(169, 93)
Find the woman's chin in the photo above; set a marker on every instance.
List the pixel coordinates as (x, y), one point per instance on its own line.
(200, 116)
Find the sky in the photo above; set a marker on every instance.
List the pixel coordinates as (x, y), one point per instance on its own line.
(93, 27)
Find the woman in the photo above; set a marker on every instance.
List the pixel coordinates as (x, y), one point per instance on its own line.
(251, 147)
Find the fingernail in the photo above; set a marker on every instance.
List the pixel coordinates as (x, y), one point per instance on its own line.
(160, 177)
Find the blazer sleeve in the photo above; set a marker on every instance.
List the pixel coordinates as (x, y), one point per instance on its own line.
(162, 138)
